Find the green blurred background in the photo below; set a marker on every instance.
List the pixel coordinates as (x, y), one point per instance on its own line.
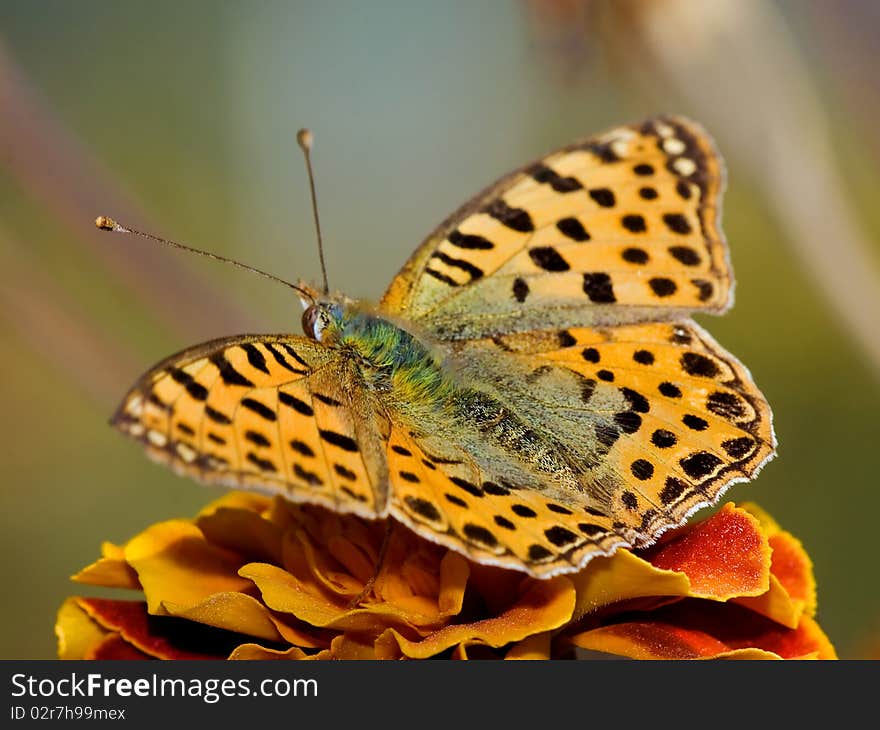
(180, 118)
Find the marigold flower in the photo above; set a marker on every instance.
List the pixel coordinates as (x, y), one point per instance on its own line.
(258, 578)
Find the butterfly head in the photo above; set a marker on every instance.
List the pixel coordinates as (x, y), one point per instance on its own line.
(323, 313)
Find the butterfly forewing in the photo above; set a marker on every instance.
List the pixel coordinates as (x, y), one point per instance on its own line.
(618, 227)
(259, 412)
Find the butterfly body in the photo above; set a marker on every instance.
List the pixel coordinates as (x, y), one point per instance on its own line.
(530, 390)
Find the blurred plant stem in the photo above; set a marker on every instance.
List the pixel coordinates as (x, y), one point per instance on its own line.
(766, 116)
(45, 160)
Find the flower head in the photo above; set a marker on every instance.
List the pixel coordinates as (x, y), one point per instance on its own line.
(258, 578)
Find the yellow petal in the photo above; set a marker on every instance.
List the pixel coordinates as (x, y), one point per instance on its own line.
(624, 576)
(110, 573)
(546, 605)
(249, 501)
(244, 532)
(76, 632)
(255, 651)
(230, 611)
(532, 647)
(175, 564)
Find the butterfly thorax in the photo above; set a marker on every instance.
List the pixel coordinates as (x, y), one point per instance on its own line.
(430, 394)
(391, 360)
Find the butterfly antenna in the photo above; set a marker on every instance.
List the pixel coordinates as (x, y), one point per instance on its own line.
(108, 224)
(305, 139)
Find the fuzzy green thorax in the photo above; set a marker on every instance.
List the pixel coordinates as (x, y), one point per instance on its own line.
(391, 359)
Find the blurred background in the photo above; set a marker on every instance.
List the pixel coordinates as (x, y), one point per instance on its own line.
(179, 118)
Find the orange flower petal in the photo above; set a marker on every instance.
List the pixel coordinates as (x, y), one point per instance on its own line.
(790, 562)
(346, 646)
(284, 592)
(244, 532)
(306, 560)
(794, 569)
(624, 576)
(454, 573)
(724, 556)
(650, 640)
(76, 632)
(709, 629)
(546, 605)
(230, 611)
(110, 573)
(741, 628)
(536, 646)
(255, 651)
(807, 641)
(250, 501)
(161, 637)
(176, 565)
(115, 647)
(775, 604)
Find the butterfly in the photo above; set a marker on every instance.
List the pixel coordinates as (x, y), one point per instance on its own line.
(530, 391)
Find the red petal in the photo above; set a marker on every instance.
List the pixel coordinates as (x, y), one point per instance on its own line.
(725, 556)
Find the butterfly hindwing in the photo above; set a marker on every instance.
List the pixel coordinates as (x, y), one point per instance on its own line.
(260, 412)
(614, 228)
(660, 417)
(445, 495)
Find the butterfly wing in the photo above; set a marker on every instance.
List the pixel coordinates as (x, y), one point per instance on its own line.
(275, 413)
(619, 227)
(665, 419)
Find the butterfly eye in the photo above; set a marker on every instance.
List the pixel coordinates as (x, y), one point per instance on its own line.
(313, 322)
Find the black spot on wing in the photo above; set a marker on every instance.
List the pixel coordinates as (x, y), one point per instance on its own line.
(543, 174)
(662, 287)
(441, 277)
(520, 289)
(196, 390)
(228, 373)
(685, 255)
(346, 443)
(474, 272)
(216, 416)
(291, 401)
(261, 409)
(633, 255)
(255, 357)
(597, 286)
(603, 197)
(326, 400)
(634, 223)
(677, 223)
(423, 508)
(560, 536)
(548, 258)
(672, 490)
(693, 363)
(602, 150)
(295, 355)
(479, 534)
(301, 447)
(261, 463)
(282, 361)
(469, 241)
(515, 218)
(700, 464)
(573, 229)
(256, 438)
